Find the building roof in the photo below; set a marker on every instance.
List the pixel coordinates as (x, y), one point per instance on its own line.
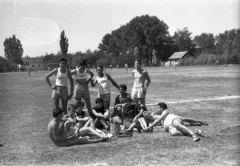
(178, 55)
(33, 60)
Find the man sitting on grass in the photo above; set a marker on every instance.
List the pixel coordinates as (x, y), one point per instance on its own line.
(101, 115)
(174, 124)
(58, 132)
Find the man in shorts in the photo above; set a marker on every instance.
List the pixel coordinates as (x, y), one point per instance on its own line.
(139, 89)
(103, 80)
(174, 124)
(60, 89)
(59, 136)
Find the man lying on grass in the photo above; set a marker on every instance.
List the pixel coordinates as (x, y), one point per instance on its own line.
(174, 124)
(60, 137)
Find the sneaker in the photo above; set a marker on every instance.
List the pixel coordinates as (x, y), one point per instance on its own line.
(109, 135)
(199, 133)
(195, 138)
(203, 123)
(104, 139)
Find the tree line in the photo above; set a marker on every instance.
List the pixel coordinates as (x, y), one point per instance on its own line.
(145, 38)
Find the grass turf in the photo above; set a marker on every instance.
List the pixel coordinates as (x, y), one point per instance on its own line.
(26, 109)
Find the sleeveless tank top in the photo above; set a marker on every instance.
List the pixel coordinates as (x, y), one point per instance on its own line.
(81, 77)
(103, 84)
(62, 78)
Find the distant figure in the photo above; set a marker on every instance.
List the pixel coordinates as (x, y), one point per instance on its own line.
(104, 68)
(217, 62)
(29, 71)
(117, 66)
(110, 66)
(126, 68)
(36, 69)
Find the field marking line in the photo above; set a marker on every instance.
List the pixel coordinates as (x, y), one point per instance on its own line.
(198, 100)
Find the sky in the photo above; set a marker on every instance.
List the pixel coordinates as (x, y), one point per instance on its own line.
(38, 23)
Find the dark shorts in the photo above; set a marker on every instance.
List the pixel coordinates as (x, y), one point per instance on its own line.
(127, 122)
(81, 92)
(106, 97)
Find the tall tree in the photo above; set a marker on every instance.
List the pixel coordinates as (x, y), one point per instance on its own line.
(63, 43)
(206, 42)
(13, 50)
(182, 39)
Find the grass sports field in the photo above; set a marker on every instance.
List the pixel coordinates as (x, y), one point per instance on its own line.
(206, 93)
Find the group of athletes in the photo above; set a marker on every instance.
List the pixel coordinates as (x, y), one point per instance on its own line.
(71, 125)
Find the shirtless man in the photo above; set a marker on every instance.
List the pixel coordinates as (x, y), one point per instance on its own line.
(174, 124)
(139, 88)
(60, 137)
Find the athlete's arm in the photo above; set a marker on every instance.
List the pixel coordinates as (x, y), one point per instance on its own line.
(97, 114)
(112, 81)
(148, 80)
(54, 71)
(71, 83)
(163, 115)
(91, 75)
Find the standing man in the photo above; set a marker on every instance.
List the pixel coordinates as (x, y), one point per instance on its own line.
(139, 88)
(82, 80)
(126, 68)
(60, 89)
(103, 80)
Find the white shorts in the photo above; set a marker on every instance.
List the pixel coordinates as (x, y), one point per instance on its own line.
(168, 121)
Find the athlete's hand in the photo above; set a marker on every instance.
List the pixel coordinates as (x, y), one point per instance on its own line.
(70, 97)
(54, 87)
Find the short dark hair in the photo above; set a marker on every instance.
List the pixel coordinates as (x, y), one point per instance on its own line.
(100, 66)
(123, 86)
(99, 100)
(71, 106)
(139, 61)
(83, 62)
(79, 103)
(57, 111)
(62, 59)
(162, 105)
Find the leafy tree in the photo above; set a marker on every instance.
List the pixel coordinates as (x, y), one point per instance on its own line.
(63, 43)
(145, 32)
(3, 64)
(182, 38)
(206, 42)
(13, 50)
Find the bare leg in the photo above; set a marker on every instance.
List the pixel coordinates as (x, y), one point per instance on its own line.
(143, 123)
(85, 130)
(88, 105)
(142, 101)
(177, 123)
(56, 103)
(64, 106)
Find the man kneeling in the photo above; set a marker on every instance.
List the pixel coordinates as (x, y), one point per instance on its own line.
(58, 131)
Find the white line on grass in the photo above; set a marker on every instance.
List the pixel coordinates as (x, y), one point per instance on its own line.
(198, 100)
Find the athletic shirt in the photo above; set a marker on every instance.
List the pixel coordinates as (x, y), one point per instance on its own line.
(139, 79)
(81, 77)
(103, 85)
(62, 78)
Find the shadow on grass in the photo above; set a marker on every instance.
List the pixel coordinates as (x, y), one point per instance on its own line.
(1, 145)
